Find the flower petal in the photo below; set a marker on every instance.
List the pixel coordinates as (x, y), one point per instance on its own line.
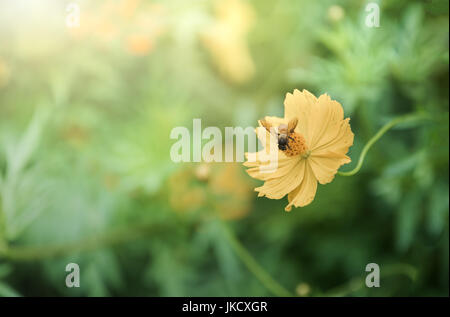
(266, 138)
(330, 128)
(326, 119)
(261, 160)
(277, 188)
(338, 141)
(332, 141)
(285, 165)
(325, 166)
(299, 105)
(275, 121)
(304, 194)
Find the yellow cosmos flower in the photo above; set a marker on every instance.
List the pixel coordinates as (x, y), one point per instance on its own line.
(226, 40)
(317, 147)
(220, 188)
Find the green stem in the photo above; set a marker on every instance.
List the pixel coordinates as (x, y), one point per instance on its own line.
(253, 266)
(378, 135)
(357, 283)
(118, 236)
(3, 244)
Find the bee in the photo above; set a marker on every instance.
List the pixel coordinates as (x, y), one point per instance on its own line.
(283, 132)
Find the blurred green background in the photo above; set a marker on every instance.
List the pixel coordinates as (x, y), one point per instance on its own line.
(85, 171)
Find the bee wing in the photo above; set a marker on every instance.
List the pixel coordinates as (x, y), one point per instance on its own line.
(265, 124)
(292, 124)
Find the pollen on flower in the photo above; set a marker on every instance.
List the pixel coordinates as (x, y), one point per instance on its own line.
(297, 145)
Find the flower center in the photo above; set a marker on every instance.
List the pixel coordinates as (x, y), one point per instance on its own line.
(297, 146)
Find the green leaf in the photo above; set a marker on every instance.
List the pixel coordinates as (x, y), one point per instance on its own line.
(438, 209)
(407, 220)
(7, 291)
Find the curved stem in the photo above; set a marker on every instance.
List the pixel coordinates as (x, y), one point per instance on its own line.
(357, 283)
(3, 244)
(114, 237)
(253, 266)
(378, 135)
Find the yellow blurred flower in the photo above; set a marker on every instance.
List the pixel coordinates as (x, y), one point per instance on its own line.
(75, 135)
(226, 40)
(231, 192)
(139, 44)
(148, 25)
(303, 289)
(4, 73)
(127, 8)
(99, 22)
(111, 181)
(335, 13)
(133, 23)
(185, 194)
(220, 188)
(320, 143)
